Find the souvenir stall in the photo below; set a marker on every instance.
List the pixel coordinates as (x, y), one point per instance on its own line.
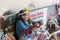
(45, 17)
(43, 14)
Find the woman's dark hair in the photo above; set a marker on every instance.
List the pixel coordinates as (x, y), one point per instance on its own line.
(19, 17)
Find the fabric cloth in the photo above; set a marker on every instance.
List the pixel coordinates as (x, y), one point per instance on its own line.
(42, 37)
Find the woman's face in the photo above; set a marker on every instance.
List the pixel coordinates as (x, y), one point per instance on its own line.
(25, 17)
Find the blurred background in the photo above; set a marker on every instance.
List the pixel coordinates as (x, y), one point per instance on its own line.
(17, 5)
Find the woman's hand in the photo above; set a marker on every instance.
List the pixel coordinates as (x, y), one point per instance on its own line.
(8, 36)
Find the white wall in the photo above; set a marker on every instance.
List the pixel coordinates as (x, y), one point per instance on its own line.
(17, 5)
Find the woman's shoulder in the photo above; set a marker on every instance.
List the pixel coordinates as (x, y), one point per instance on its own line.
(19, 21)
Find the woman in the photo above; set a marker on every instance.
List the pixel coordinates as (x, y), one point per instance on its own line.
(24, 25)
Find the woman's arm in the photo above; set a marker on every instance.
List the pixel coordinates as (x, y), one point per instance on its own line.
(25, 30)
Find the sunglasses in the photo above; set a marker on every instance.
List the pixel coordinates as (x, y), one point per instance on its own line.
(24, 14)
